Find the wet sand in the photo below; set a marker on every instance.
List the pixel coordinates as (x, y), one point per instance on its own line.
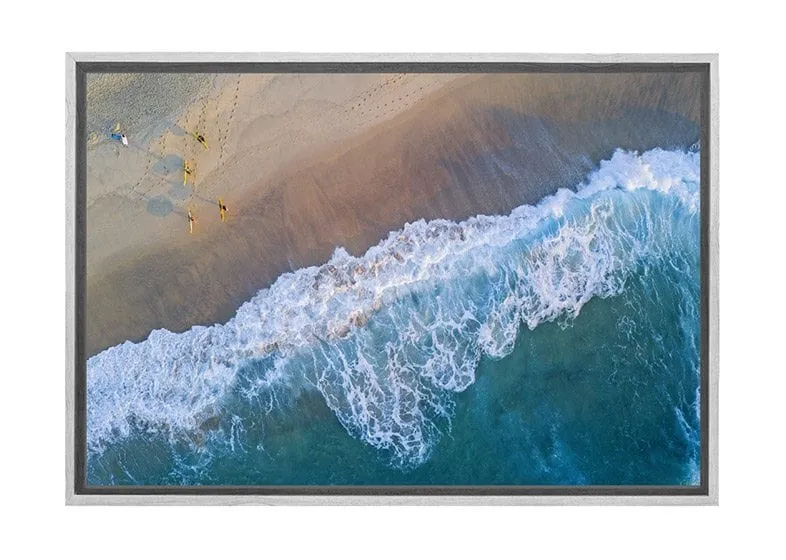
(307, 163)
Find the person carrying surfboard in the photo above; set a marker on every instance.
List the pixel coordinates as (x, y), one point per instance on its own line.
(200, 138)
(222, 209)
(191, 220)
(187, 170)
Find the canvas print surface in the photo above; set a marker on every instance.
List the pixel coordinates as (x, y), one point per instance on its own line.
(393, 279)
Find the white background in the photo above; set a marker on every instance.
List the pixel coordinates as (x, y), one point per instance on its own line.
(34, 39)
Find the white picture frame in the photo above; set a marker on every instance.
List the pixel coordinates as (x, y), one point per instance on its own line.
(75, 64)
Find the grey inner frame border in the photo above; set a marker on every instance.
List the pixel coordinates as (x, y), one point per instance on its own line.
(78, 65)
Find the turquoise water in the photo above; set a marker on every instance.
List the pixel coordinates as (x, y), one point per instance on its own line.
(557, 345)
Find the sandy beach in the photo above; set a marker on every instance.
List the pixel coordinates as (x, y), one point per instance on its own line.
(307, 163)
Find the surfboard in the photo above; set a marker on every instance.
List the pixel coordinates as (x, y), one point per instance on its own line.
(221, 209)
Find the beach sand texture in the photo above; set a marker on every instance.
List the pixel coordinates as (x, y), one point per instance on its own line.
(309, 162)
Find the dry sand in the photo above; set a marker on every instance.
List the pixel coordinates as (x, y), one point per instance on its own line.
(307, 163)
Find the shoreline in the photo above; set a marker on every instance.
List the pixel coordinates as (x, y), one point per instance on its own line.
(477, 144)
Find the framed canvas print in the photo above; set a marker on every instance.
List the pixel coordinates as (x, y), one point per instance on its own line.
(391, 279)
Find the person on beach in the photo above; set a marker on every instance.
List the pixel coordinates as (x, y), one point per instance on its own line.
(187, 172)
(200, 138)
(222, 209)
(191, 220)
(120, 137)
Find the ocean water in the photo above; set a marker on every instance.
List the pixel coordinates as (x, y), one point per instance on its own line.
(558, 344)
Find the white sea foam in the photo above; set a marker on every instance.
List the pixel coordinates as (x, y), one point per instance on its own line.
(388, 337)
